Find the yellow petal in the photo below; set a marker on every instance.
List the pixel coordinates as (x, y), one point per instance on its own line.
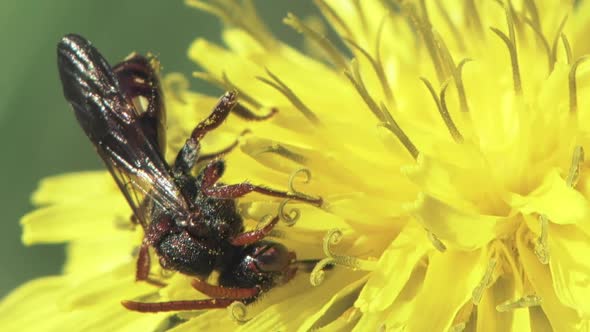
(570, 268)
(100, 254)
(398, 260)
(399, 313)
(106, 288)
(464, 182)
(488, 317)
(16, 307)
(560, 317)
(338, 304)
(290, 309)
(211, 320)
(446, 290)
(75, 220)
(556, 200)
(454, 226)
(73, 187)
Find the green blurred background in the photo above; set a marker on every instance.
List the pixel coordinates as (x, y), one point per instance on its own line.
(39, 135)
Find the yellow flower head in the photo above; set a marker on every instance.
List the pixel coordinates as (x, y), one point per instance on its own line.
(447, 141)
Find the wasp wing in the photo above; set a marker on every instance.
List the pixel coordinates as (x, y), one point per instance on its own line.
(124, 141)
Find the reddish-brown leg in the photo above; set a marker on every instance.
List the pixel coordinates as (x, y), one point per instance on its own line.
(213, 172)
(215, 119)
(254, 236)
(143, 262)
(143, 266)
(219, 292)
(188, 155)
(177, 305)
(241, 189)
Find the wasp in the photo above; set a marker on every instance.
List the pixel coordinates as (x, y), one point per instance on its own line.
(191, 222)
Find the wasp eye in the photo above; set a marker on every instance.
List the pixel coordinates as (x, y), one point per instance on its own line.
(272, 257)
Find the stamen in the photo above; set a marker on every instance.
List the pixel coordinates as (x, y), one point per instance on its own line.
(442, 109)
(282, 151)
(382, 113)
(307, 179)
(333, 237)
(358, 9)
(472, 17)
(238, 312)
(531, 6)
(542, 246)
(509, 19)
(424, 28)
(458, 327)
(377, 67)
(436, 242)
(574, 172)
(290, 217)
(510, 42)
(393, 127)
(287, 92)
(513, 58)
(544, 42)
(355, 78)
(462, 317)
(449, 22)
(557, 38)
(333, 17)
(445, 55)
(447, 116)
(336, 56)
(458, 77)
(318, 274)
(242, 14)
(227, 85)
(387, 89)
(478, 291)
(303, 171)
(243, 96)
(573, 86)
(524, 302)
(568, 49)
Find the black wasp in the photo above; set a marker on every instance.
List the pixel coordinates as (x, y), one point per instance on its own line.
(191, 222)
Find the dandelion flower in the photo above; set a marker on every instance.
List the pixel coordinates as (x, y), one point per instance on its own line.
(446, 139)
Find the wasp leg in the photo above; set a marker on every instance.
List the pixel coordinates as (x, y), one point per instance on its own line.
(143, 266)
(214, 171)
(254, 236)
(177, 305)
(189, 154)
(219, 292)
